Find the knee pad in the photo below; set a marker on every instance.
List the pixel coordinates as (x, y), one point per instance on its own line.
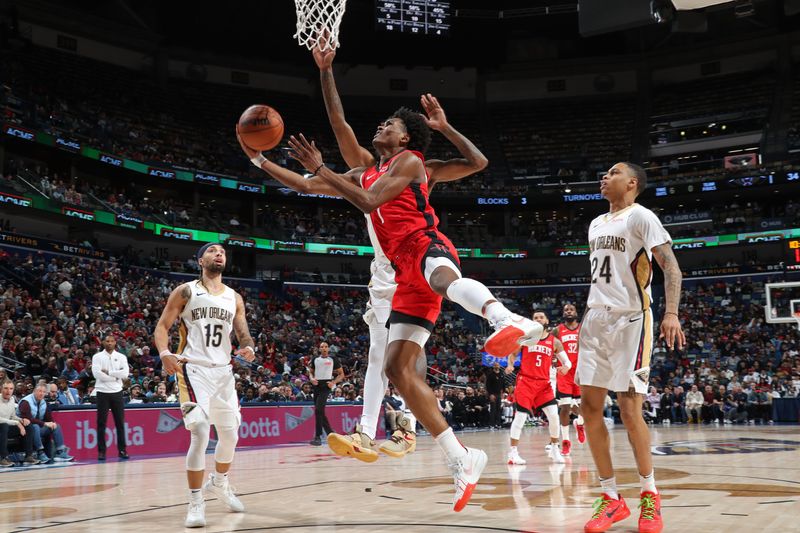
(227, 437)
(196, 456)
(517, 424)
(551, 411)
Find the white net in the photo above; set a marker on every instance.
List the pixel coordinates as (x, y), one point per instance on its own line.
(318, 23)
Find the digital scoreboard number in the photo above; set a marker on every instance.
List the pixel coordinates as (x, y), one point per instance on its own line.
(793, 253)
(423, 17)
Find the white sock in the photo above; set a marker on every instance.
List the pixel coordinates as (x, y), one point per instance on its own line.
(451, 446)
(195, 495)
(610, 487)
(219, 479)
(648, 483)
(496, 312)
(564, 432)
(472, 295)
(512, 449)
(579, 420)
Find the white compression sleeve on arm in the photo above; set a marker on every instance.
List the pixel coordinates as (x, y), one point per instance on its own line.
(564, 359)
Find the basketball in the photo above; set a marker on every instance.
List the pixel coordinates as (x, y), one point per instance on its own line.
(261, 127)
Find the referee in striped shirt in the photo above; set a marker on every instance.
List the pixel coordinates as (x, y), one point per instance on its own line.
(322, 377)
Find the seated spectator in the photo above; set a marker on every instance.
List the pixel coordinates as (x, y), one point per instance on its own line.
(69, 372)
(12, 426)
(392, 411)
(34, 408)
(136, 396)
(694, 404)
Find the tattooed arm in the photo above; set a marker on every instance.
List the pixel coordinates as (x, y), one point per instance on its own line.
(175, 304)
(353, 153)
(247, 347)
(670, 325)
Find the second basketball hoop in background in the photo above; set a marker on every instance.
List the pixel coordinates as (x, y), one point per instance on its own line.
(318, 23)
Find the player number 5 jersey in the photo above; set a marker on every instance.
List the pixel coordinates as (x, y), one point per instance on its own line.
(206, 324)
(620, 246)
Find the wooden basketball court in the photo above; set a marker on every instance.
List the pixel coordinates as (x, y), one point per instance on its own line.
(711, 479)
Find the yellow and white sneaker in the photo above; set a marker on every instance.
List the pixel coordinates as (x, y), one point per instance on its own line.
(403, 440)
(357, 444)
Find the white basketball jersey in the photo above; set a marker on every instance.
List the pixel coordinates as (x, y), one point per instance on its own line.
(206, 324)
(620, 246)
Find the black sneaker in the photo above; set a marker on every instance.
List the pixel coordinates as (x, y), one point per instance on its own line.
(101, 456)
(30, 460)
(5, 463)
(316, 442)
(124, 455)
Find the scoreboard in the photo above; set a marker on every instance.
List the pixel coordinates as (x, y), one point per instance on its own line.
(424, 17)
(793, 254)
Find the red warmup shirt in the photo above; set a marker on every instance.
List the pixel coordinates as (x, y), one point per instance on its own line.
(536, 361)
(406, 214)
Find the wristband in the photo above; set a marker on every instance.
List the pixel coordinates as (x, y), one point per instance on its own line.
(319, 167)
(258, 160)
(671, 313)
(252, 350)
(162, 353)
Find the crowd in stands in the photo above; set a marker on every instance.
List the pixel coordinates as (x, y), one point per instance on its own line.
(188, 124)
(54, 310)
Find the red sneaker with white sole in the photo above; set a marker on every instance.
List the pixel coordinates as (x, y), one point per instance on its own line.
(566, 446)
(650, 513)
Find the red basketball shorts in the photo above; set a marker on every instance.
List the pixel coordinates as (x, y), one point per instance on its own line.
(414, 301)
(531, 394)
(566, 386)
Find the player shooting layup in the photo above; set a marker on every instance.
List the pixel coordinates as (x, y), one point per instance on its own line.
(361, 443)
(394, 193)
(208, 310)
(616, 336)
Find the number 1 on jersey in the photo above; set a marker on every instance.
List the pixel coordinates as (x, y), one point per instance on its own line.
(605, 269)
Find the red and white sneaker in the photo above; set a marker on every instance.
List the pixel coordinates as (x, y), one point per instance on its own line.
(509, 333)
(650, 513)
(466, 473)
(607, 512)
(581, 432)
(514, 458)
(565, 447)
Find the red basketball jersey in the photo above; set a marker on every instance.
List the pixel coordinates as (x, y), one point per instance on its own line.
(536, 361)
(569, 338)
(403, 216)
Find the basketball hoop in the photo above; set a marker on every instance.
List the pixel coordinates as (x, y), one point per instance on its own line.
(797, 319)
(318, 23)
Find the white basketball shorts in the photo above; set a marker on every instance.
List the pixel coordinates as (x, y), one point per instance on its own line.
(615, 349)
(213, 390)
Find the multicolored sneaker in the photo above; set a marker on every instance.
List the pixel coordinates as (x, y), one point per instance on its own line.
(607, 511)
(509, 333)
(650, 513)
(357, 444)
(566, 446)
(466, 473)
(403, 440)
(581, 432)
